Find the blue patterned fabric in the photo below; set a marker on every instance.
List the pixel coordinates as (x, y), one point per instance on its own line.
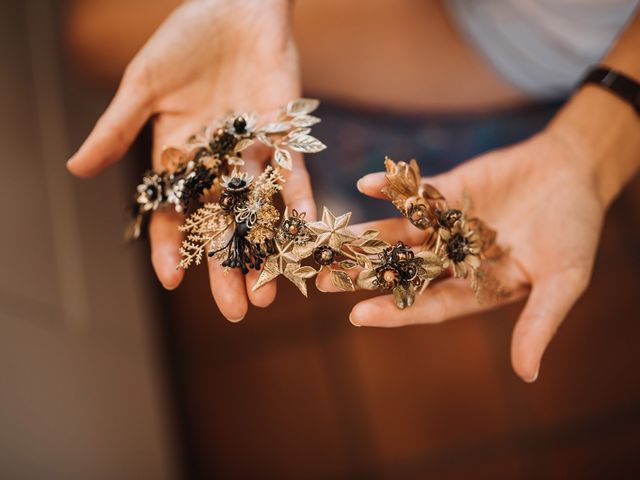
(358, 142)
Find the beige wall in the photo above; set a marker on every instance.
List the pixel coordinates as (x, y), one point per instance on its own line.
(81, 388)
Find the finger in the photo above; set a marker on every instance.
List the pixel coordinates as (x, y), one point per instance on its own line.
(165, 239)
(228, 290)
(549, 302)
(325, 285)
(390, 230)
(114, 131)
(441, 301)
(296, 192)
(372, 184)
(263, 296)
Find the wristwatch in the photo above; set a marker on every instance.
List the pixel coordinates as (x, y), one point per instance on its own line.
(624, 87)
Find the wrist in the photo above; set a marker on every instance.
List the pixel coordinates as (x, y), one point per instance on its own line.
(604, 133)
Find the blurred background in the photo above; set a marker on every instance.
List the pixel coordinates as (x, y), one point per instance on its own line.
(105, 375)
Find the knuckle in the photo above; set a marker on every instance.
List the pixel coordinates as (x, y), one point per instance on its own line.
(138, 80)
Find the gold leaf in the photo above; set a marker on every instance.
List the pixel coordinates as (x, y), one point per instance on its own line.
(375, 243)
(489, 290)
(347, 264)
(298, 131)
(305, 144)
(302, 106)
(369, 234)
(403, 177)
(264, 138)
(431, 192)
(305, 272)
(283, 158)
(243, 144)
(305, 120)
(404, 297)
(432, 264)
(278, 127)
(364, 261)
(373, 246)
(366, 279)
(341, 280)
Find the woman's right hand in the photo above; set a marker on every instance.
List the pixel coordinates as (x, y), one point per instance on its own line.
(207, 58)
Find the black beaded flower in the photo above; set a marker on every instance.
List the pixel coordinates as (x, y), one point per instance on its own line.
(448, 218)
(294, 228)
(398, 267)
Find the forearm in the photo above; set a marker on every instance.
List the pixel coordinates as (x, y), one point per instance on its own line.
(604, 128)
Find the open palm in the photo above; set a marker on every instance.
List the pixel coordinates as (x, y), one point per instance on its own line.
(545, 210)
(207, 58)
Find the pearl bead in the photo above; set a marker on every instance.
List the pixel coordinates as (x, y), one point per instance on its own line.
(326, 255)
(389, 276)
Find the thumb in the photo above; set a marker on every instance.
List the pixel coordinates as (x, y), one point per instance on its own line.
(115, 130)
(549, 303)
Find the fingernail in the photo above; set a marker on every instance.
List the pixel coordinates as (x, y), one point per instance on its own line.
(169, 286)
(319, 288)
(235, 320)
(359, 185)
(352, 322)
(534, 377)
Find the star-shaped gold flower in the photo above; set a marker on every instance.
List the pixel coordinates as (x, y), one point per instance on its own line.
(277, 263)
(332, 230)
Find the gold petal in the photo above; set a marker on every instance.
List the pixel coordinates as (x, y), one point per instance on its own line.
(283, 158)
(347, 264)
(304, 143)
(305, 272)
(269, 272)
(341, 222)
(369, 234)
(324, 239)
(366, 279)
(472, 261)
(302, 106)
(328, 218)
(243, 144)
(404, 297)
(459, 270)
(297, 280)
(304, 250)
(318, 227)
(413, 175)
(337, 240)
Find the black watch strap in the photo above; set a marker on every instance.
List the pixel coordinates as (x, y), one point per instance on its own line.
(616, 82)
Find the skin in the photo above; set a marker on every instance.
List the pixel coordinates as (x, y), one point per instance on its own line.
(547, 196)
(183, 82)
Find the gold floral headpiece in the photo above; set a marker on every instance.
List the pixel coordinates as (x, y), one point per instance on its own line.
(231, 217)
